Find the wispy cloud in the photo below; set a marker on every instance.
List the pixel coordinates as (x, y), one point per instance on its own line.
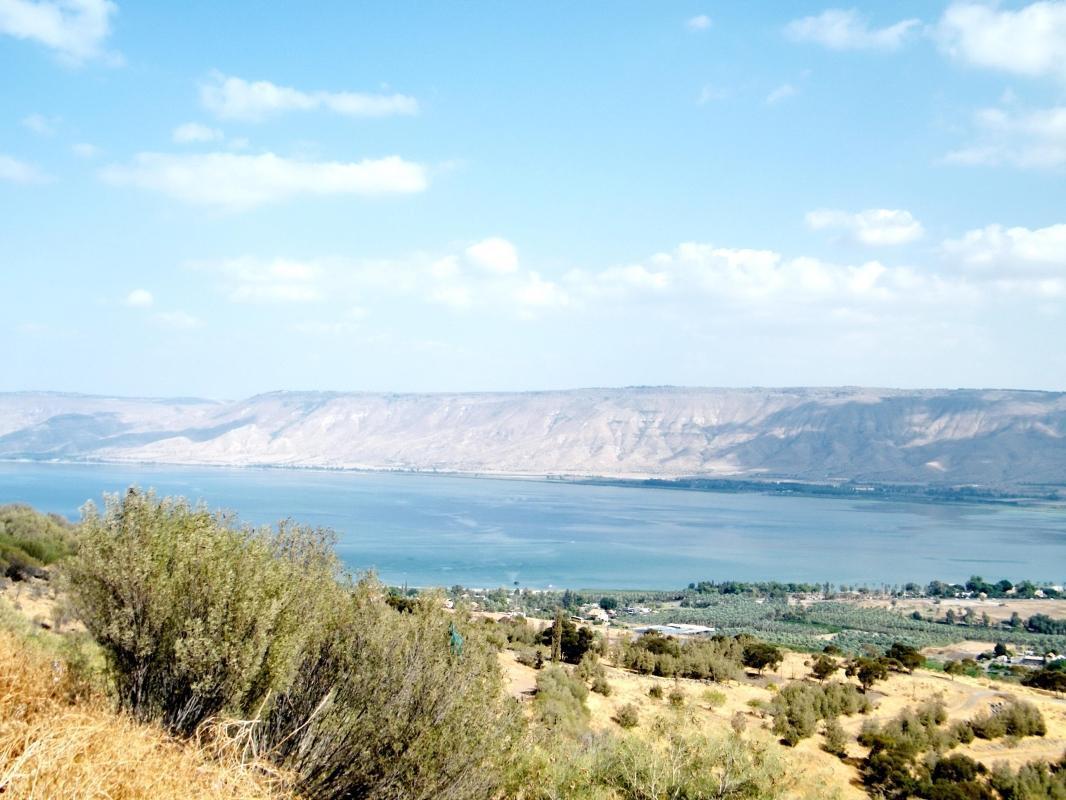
(195, 133)
(700, 22)
(239, 182)
(709, 94)
(278, 280)
(178, 320)
(846, 29)
(85, 150)
(875, 226)
(782, 92)
(15, 171)
(40, 124)
(74, 29)
(236, 98)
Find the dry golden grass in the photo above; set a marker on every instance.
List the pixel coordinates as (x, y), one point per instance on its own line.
(59, 740)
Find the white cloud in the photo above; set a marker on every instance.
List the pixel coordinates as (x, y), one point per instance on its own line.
(782, 92)
(535, 294)
(235, 98)
(179, 320)
(194, 132)
(846, 29)
(140, 298)
(85, 150)
(698, 23)
(493, 254)
(40, 124)
(15, 171)
(875, 226)
(691, 284)
(1011, 253)
(1030, 139)
(74, 29)
(760, 281)
(236, 182)
(1028, 41)
(432, 279)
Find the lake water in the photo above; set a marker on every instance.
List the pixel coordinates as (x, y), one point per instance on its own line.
(436, 530)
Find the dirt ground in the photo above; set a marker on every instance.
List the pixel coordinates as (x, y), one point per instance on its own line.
(39, 602)
(964, 697)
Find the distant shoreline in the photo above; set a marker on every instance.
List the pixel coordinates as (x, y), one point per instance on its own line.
(776, 486)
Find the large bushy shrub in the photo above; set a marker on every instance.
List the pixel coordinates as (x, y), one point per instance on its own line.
(196, 614)
(382, 706)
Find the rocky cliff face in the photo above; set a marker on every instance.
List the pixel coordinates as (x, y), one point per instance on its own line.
(953, 437)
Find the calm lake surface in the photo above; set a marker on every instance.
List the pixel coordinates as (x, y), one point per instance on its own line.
(434, 530)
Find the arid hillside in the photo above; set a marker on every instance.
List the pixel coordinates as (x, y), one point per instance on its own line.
(991, 438)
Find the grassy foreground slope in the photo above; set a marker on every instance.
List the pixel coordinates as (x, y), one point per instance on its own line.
(61, 739)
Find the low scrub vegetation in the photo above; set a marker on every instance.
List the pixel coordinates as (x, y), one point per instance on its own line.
(30, 541)
(719, 659)
(906, 757)
(798, 707)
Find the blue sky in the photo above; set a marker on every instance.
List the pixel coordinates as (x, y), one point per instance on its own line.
(220, 199)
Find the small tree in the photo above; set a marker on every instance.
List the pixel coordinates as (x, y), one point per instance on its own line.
(568, 642)
(824, 666)
(867, 670)
(760, 655)
(906, 656)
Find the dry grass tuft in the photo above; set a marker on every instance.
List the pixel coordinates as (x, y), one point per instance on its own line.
(59, 740)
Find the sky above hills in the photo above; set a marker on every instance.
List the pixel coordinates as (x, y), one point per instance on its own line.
(218, 199)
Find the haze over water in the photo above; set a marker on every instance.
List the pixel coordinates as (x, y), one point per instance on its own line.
(438, 530)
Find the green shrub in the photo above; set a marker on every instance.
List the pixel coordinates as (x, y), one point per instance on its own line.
(713, 698)
(531, 657)
(30, 540)
(628, 716)
(836, 741)
(195, 614)
(717, 659)
(664, 762)
(684, 764)
(560, 702)
(656, 692)
(676, 697)
(1012, 718)
(797, 708)
(381, 706)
